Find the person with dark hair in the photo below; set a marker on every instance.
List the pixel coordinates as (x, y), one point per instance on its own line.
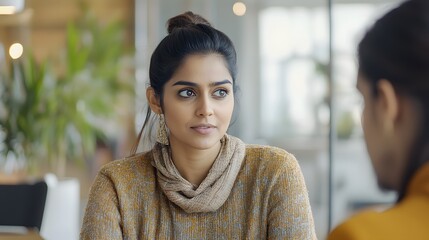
(197, 182)
(394, 81)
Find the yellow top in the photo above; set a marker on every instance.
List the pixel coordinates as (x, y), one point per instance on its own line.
(269, 200)
(408, 219)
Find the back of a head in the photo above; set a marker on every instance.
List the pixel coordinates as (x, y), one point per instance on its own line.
(188, 34)
(396, 48)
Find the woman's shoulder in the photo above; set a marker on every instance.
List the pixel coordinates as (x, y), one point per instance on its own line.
(360, 226)
(265, 152)
(270, 156)
(376, 223)
(128, 165)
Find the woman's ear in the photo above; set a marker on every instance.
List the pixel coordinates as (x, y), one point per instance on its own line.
(154, 100)
(388, 104)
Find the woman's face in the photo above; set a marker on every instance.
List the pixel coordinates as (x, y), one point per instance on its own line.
(371, 130)
(198, 102)
(387, 132)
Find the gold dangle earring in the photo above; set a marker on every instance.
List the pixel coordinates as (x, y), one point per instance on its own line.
(162, 134)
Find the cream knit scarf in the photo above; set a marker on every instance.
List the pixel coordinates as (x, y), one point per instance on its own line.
(215, 188)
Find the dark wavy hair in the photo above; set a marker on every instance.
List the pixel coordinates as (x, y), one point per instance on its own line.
(396, 48)
(188, 34)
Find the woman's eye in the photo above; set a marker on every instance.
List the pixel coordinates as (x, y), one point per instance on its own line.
(186, 93)
(221, 93)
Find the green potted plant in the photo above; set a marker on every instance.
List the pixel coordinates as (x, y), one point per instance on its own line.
(21, 112)
(98, 67)
(53, 112)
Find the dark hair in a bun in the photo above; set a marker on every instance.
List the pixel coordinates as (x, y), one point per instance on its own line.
(188, 34)
(186, 19)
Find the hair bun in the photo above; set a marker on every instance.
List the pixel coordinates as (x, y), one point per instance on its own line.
(186, 19)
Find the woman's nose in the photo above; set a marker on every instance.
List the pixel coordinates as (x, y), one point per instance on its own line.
(204, 108)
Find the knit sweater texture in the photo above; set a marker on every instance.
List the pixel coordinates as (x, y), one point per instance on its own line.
(269, 200)
(409, 219)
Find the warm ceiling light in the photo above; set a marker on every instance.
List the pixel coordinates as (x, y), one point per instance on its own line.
(5, 10)
(16, 50)
(239, 8)
(11, 6)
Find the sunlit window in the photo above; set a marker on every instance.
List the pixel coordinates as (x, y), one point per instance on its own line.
(294, 56)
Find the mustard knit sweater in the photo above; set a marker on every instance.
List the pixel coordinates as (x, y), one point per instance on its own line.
(409, 219)
(269, 200)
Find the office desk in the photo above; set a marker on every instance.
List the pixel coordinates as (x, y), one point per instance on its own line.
(18, 233)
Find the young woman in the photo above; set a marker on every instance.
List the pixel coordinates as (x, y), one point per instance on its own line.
(197, 182)
(394, 81)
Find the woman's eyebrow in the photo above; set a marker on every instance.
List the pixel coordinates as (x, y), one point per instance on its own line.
(226, 81)
(192, 84)
(185, 83)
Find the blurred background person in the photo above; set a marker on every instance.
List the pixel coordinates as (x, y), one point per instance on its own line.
(393, 79)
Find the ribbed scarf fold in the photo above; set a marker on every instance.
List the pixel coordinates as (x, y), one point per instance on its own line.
(212, 193)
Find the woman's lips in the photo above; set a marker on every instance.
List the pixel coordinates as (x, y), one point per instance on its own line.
(204, 129)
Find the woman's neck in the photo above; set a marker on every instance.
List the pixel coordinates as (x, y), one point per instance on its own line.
(194, 164)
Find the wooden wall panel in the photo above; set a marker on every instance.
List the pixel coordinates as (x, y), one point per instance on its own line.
(42, 26)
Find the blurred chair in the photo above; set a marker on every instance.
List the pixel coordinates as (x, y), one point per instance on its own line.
(23, 204)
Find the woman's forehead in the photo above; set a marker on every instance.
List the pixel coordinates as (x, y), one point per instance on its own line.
(201, 70)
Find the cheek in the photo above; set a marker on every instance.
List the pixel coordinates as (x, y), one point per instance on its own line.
(176, 115)
(364, 121)
(375, 149)
(174, 112)
(368, 123)
(226, 109)
(369, 134)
